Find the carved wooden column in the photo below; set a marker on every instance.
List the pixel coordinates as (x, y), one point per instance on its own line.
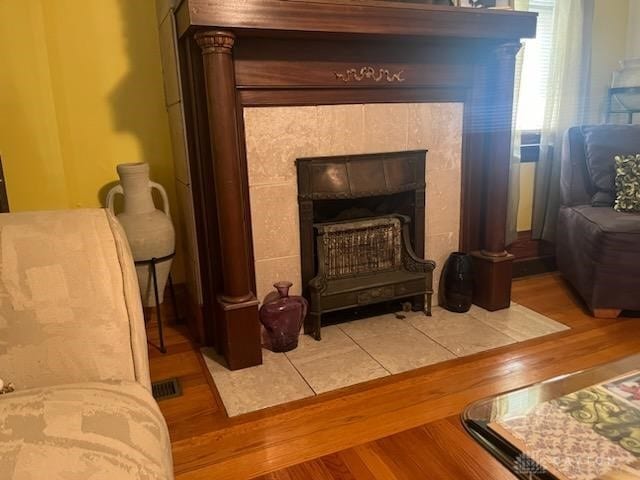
(237, 304)
(492, 264)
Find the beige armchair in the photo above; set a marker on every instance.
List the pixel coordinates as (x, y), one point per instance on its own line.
(72, 341)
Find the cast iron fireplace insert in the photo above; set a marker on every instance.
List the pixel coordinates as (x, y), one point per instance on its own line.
(362, 222)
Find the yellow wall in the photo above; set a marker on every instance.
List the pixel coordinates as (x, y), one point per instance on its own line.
(525, 206)
(29, 143)
(80, 91)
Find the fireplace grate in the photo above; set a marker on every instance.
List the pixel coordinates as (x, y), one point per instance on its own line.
(367, 261)
(362, 247)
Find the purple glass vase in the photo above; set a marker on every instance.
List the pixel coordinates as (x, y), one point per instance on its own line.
(282, 317)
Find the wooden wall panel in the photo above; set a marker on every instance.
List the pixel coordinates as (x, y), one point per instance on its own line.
(340, 63)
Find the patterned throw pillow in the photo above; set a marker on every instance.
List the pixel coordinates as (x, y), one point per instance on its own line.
(627, 183)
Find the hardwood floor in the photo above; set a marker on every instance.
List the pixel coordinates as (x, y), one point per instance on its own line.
(401, 427)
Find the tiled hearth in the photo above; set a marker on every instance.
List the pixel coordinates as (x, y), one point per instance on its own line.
(363, 350)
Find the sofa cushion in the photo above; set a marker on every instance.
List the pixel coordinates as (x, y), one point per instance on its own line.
(603, 222)
(602, 143)
(627, 183)
(598, 250)
(112, 430)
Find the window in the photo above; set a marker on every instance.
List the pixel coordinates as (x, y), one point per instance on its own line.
(535, 69)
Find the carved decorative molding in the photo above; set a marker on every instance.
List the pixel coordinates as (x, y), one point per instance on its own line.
(215, 41)
(370, 73)
(414, 265)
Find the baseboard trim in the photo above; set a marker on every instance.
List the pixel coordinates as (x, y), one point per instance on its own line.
(534, 266)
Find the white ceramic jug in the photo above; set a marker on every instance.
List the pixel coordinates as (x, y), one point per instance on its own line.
(149, 230)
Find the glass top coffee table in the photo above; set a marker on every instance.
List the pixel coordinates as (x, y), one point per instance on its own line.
(580, 426)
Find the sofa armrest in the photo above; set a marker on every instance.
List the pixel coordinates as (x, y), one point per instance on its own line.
(133, 303)
(70, 309)
(575, 183)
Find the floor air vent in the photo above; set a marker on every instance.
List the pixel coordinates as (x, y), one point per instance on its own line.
(166, 389)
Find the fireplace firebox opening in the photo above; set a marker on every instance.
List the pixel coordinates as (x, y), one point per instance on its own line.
(362, 230)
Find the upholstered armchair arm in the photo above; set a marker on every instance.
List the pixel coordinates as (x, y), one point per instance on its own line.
(131, 292)
(71, 305)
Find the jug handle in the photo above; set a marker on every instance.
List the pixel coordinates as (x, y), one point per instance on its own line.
(163, 194)
(111, 195)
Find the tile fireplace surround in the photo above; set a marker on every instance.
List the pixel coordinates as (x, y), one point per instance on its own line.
(277, 136)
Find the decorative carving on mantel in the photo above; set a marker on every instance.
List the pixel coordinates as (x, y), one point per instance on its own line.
(215, 41)
(413, 264)
(370, 73)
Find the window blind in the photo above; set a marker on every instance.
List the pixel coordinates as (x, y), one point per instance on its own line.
(535, 68)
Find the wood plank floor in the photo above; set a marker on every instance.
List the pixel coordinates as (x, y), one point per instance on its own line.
(400, 427)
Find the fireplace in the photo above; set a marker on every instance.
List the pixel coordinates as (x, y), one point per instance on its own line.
(362, 232)
(238, 58)
(276, 137)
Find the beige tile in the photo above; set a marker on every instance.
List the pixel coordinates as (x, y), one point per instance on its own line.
(447, 129)
(385, 127)
(395, 343)
(459, 333)
(274, 382)
(438, 248)
(274, 270)
(340, 129)
(403, 352)
(518, 322)
(438, 128)
(421, 128)
(274, 221)
(480, 313)
(169, 61)
(375, 326)
(275, 137)
(179, 143)
(333, 339)
(443, 159)
(334, 362)
(443, 201)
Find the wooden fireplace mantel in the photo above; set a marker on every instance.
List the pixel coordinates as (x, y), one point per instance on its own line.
(236, 54)
(360, 17)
